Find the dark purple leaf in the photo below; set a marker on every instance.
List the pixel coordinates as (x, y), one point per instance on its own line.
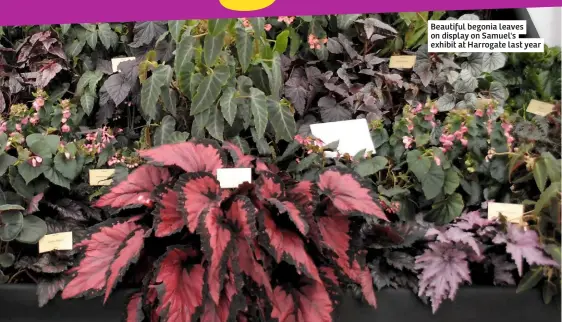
(48, 288)
(117, 88)
(47, 73)
(147, 32)
(330, 111)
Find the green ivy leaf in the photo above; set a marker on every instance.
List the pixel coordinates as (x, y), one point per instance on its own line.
(92, 39)
(151, 89)
(68, 168)
(258, 105)
(282, 120)
(452, 181)
(217, 26)
(12, 224)
(107, 36)
(57, 178)
(371, 166)
(244, 49)
(183, 64)
(87, 101)
(540, 172)
(74, 48)
(6, 161)
(209, 90)
(215, 126)
(433, 181)
(281, 41)
(229, 105)
(418, 164)
(212, 47)
(446, 210)
(29, 173)
(34, 228)
(89, 79)
(529, 280)
(164, 131)
(175, 27)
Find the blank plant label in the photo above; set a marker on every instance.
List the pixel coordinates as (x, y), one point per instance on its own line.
(116, 61)
(512, 212)
(540, 108)
(353, 136)
(233, 177)
(101, 177)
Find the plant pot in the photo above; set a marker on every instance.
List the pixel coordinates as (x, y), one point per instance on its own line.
(472, 304)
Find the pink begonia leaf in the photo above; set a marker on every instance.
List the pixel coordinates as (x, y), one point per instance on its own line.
(443, 269)
(523, 244)
(456, 235)
(503, 270)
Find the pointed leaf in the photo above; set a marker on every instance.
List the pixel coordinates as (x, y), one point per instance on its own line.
(151, 89)
(244, 48)
(209, 89)
(164, 131)
(212, 47)
(136, 189)
(215, 126)
(229, 105)
(258, 105)
(134, 311)
(48, 288)
(282, 120)
(167, 217)
(183, 64)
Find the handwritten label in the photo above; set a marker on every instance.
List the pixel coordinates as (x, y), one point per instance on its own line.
(116, 61)
(540, 108)
(59, 241)
(353, 136)
(233, 177)
(512, 212)
(402, 61)
(101, 177)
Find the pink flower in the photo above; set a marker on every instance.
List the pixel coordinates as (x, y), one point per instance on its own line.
(510, 139)
(63, 120)
(38, 103)
(34, 119)
(3, 127)
(25, 120)
(479, 113)
(410, 126)
(407, 140)
(433, 124)
(267, 27)
(464, 142)
(65, 128)
(428, 117)
(418, 108)
(18, 127)
(434, 110)
(246, 23)
(288, 20)
(507, 127)
(66, 114)
(437, 160)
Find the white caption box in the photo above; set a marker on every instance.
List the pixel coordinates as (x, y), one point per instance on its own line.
(233, 177)
(353, 136)
(481, 36)
(116, 61)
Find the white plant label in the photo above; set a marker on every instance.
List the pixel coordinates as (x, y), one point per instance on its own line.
(353, 136)
(116, 61)
(480, 36)
(233, 177)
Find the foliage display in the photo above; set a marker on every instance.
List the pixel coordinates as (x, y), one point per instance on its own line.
(452, 134)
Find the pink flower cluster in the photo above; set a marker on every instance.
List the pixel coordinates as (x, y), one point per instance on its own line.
(447, 140)
(507, 127)
(38, 103)
(96, 146)
(308, 141)
(408, 141)
(246, 23)
(315, 43)
(35, 161)
(286, 19)
(65, 116)
(393, 208)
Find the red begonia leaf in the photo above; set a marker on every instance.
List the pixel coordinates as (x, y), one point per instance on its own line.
(167, 218)
(217, 240)
(287, 246)
(134, 311)
(302, 194)
(331, 281)
(348, 193)
(180, 289)
(241, 160)
(100, 250)
(231, 301)
(192, 156)
(310, 303)
(242, 214)
(197, 192)
(270, 186)
(295, 214)
(250, 266)
(136, 189)
(363, 277)
(334, 232)
(127, 254)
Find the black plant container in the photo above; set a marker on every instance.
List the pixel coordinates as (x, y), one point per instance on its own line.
(18, 303)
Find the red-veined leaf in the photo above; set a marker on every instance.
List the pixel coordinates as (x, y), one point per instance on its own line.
(127, 254)
(287, 246)
(167, 218)
(181, 290)
(302, 194)
(217, 240)
(263, 167)
(242, 214)
(311, 303)
(197, 193)
(136, 189)
(331, 282)
(251, 267)
(294, 213)
(101, 249)
(241, 160)
(363, 277)
(191, 156)
(270, 186)
(348, 193)
(228, 305)
(134, 311)
(334, 232)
